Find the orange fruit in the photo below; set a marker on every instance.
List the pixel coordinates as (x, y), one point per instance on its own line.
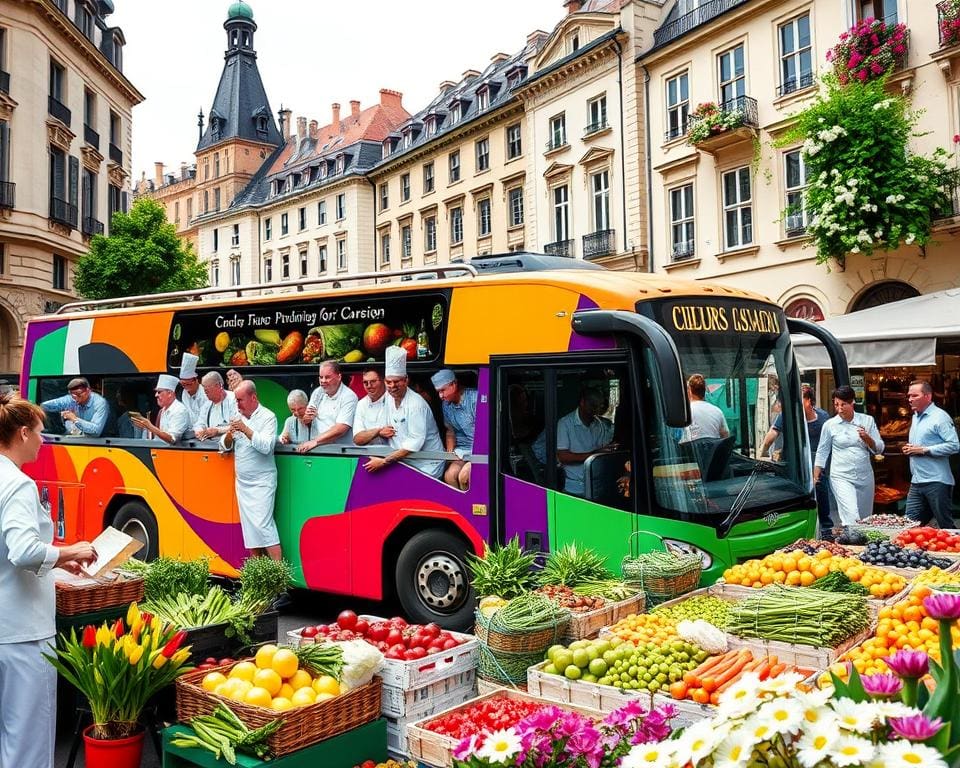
(268, 679)
(300, 679)
(245, 670)
(326, 684)
(265, 655)
(281, 704)
(303, 697)
(258, 697)
(284, 663)
(212, 679)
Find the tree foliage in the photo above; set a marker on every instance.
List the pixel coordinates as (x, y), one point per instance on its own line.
(868, 190)
(142, 255)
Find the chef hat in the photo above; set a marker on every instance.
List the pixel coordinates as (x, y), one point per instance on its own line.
(396, 362)
(188, 366)
(166, 381)
(443, 377)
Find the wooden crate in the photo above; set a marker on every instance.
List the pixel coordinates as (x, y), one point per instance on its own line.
(437, 750)
(584, 626)
(416, 703)
(805, 656)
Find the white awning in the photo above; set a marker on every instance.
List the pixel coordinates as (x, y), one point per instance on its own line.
(902, 333)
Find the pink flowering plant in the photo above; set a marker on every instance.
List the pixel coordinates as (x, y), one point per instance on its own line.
(870, 49)
(949, 22)
(709, 120)
(557, 738)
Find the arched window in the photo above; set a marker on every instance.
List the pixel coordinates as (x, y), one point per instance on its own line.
(804, 309)
(884, 293)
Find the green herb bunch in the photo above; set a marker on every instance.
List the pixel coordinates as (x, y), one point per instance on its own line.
(503, 571)
(572, 565)
(167, 577)
(263, 580)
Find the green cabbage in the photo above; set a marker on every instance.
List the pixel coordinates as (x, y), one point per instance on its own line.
(259, 353)
(341, 340)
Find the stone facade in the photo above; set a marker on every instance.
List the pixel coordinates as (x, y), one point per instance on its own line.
(65, 142)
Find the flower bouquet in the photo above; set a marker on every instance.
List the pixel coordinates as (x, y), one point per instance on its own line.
(870, 49)
(554, 737)
(119, 667)
(949, 22)
(708, 120)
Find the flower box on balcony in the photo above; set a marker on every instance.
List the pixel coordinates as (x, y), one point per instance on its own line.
(713, 127)
(868, 50)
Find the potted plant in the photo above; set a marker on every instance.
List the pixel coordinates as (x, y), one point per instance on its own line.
(118, 668)
(949, 22)
(868, 50)
(709, 120)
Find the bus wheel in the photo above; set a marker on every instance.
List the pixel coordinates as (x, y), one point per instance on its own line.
(433, 582)
(137, 521)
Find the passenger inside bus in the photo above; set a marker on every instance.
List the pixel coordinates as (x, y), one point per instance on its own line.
(296, 430)
(83, 411)
(459, 417)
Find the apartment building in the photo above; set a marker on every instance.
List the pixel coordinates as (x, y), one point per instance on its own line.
(65, 141)
(730, 208)
(176, 192)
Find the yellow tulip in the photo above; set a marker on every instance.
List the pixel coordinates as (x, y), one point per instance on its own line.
(134, 655)
(104, 636)
(159, 661)
(180, 656)
(133, 615)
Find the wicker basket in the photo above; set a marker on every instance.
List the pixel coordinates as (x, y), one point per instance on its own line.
(668, 582)
(301, 727)
(534, 641)
(73, 600)
(506, 668)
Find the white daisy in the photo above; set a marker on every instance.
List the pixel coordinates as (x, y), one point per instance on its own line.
(886, 709)
(906, 754)
(785, 683)
(741, 698)
(855, 717)
(734, 752)
(500, 746)
(851, 750)
(651, 756)
(698, 740)
(783, 715)
(815, 743)
(759, 727)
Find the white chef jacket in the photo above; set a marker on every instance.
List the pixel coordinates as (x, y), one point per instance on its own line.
(849, 456)
(174, 420)
(416, 430)
(338, 409)
(256, 478)
(194, 403)
(371, 415)
(298, 432)
(27, 597)
(216, 414)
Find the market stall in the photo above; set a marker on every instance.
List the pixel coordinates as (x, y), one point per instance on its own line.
(887, 347)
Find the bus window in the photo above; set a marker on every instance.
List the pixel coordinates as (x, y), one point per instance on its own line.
(126, 394)
(526, 441)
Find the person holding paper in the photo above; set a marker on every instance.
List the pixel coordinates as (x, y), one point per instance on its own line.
(459, 417)
(28, 684)
(251, 437)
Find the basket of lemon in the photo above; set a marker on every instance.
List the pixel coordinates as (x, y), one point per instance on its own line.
(302, 686)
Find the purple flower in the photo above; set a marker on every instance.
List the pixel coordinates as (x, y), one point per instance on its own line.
(943, 607)
(909, 664)
(541, 720)
(915, 727)
(883, 685)
(467, 747)
(625, 715)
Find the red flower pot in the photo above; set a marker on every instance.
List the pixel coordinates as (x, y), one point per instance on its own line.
(112, 753)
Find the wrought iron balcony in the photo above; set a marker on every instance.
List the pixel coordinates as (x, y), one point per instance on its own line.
(8, 194)
(683, 250)
(116, 154)
(700, 15)
(559, 248)
(556, 144)
(596, 127)
(91, 226)
(91, 137)
(63, 212)
(795, 84)
(676, 131)
(733, 121)
(948, 22)
(599, 243)
(795, 225)
(58, 110)
(951, 191)
(4, 81)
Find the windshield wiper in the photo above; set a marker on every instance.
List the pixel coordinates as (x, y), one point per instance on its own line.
(740, 502)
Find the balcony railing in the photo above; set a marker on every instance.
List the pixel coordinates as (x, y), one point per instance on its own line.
(559, 248)
(948, 23)
(8, 194)
(599, 243)
(58, 110)
(683, 250)
(556, 144)
(730, 116)
(700, 15)
(795, 225)
(596, 127)
(116, 154)
(4, 81)
(63, 212)
(92, 226)
(676, 131)
(951, 190)
(795, 84)
(91, 137)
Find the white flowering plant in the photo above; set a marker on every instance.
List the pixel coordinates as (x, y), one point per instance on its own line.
(709, 120)
(867, 189)
(773, 724)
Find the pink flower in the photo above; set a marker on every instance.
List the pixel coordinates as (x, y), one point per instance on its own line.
(915, 727)
(862, 74)
(467, 747)
(909, 664)
(956, 138)
(943, 607)
(882, 686)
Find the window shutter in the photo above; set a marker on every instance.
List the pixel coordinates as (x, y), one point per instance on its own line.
(74, 179)
(124, 202)
(85, 196)
(4, 150)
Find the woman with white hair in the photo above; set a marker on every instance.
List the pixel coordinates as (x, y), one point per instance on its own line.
(295, 431)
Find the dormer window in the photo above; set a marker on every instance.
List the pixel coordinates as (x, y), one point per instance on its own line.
(431, 125)
(573, 42)
(296, 180)
(322, 170)
(515, 74)
(288, 184)
(483, 99)
(262, 124)
(341, 163)
(455, 112)
(387, 148)
(408, 138)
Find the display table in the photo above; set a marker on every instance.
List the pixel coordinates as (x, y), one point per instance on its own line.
(368, 742)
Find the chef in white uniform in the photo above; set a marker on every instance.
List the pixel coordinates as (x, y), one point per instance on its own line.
(331, 407)
(251, 437)
(174, 420)
(192, 394)
(371, 414)
(216, 412)
(410, 422)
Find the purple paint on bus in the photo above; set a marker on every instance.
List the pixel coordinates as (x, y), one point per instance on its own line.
(35, 332)
(580, 343)
(525, 508)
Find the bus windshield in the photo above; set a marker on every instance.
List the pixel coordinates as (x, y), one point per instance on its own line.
(728, 464)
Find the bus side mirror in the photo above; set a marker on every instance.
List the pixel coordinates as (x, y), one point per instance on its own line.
(838, 358)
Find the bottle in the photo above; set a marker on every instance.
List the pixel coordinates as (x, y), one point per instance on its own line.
(423, 342)
(61, 520)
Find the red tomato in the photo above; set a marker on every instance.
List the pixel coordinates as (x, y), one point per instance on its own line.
(362, 627)
(394, 637)
(415, 653)
(410, 345)
(377, 631)
(308, 632)
(431, 629)
(347, 620)
(398, 621)
(449, 643)
(224, 661)
(210, 660)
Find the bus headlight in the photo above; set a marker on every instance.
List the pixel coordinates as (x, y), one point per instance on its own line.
(689, 549)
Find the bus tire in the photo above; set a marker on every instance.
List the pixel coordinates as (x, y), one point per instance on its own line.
(433, 582)
(135, 519)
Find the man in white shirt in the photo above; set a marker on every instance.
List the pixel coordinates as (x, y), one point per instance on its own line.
(706, 420)
(174, 419)
(251, 437)
(219, 407)
(192, 394)
(580, 434)
(332, 405)
(370, 418)
(295, 430)
(410, 423)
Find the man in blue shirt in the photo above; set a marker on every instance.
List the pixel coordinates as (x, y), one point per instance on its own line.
(83, 411)
(459, 418)
(933, 439)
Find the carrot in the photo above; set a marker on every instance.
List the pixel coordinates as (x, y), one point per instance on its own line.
(777, 669)
(766, 665)
(700, 696)
(715, 698)
(679, 689)
(743, 659)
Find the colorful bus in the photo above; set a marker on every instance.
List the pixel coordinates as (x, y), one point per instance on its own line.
(533, 334)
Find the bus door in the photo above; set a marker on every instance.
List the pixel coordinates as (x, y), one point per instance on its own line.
(565, 442)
